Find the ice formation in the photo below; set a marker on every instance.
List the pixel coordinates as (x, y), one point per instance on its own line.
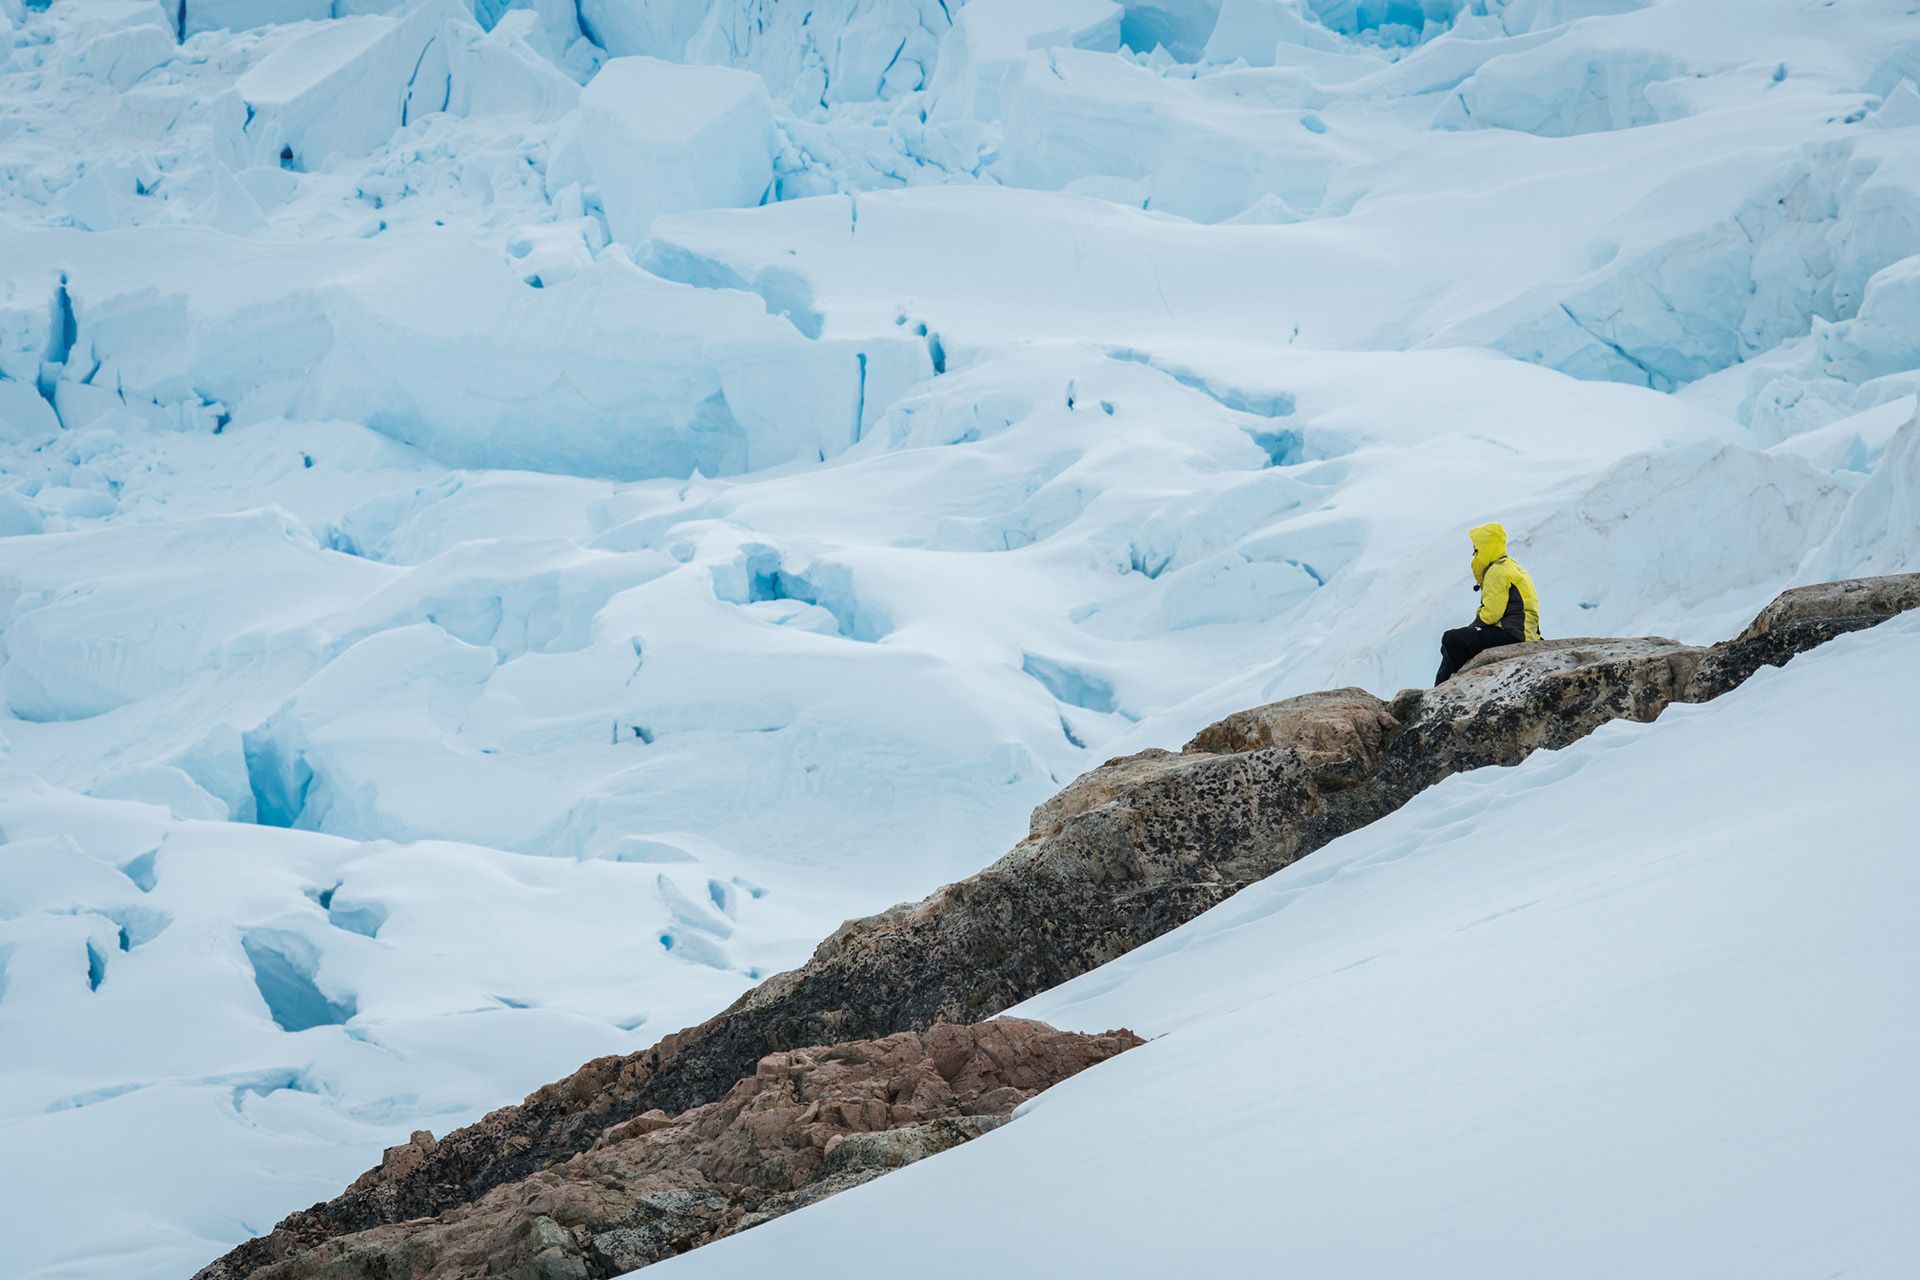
(654, 137)
(516, 518)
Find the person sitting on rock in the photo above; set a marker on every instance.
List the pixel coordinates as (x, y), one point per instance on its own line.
(1509, 607)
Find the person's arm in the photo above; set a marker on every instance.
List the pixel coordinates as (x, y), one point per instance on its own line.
(1493, 594)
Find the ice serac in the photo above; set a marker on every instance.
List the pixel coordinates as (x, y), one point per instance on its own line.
(1794, 257)
(812, 56)
(24, 412)
(826, 53)
(434, 342)
(505, 71)
(397, 695)
(1884, 338)
(655, 137)
(1888, 500)
(236, 15)
(1556, 91)
(656, 28)
(1198, 149)
(1179, 27)
(340, 89)
(990, 38)
(1128, 852)
(1392, 22)
(804, 1125)
(74, 654)
(1259, 32)
(121, 57)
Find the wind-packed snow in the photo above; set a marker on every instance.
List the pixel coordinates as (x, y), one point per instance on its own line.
(517, 518)
(1638, 1007)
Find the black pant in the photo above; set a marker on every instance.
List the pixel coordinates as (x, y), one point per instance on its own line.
(1460, 645)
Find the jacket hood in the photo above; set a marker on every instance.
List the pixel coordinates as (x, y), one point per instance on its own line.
(1489, 544)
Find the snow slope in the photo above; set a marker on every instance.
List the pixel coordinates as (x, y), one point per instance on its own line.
(1638, 1007)
(491, 565)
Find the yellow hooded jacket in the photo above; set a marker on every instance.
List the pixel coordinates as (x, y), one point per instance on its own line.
(1507, 597)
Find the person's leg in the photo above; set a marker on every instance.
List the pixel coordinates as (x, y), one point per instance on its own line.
(1462, 644)
(1452, 655)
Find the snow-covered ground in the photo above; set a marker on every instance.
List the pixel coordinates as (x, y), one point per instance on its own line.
(511, 530)
(1640, 1007)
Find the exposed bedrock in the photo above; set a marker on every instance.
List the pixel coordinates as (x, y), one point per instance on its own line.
(1125, 853)
(803, 1125)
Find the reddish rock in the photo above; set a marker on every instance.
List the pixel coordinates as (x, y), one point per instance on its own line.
(805, 1124)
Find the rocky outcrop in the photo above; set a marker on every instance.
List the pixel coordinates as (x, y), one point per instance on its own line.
(1127, 852)
(805, 1124)
(1799, 620)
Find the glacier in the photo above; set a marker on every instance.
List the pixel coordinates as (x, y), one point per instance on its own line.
(516, 518)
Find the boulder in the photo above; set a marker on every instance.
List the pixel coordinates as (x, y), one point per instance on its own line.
(1846, 606)
(1327, 729)
(1510, 702)
(1799, 620)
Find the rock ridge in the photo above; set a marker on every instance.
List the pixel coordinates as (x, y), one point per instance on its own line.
(1126, 852)
(807, 1123)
